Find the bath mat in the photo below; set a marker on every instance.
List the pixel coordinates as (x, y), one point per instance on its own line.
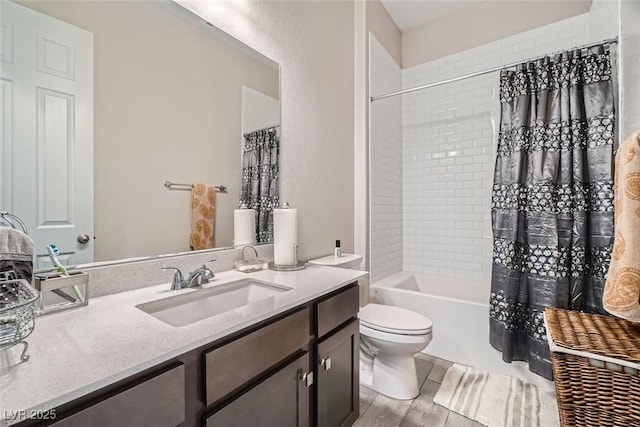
(496, 400)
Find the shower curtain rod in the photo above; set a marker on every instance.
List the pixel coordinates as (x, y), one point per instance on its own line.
(479, 73)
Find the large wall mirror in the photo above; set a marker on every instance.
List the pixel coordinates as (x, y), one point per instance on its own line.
(102, 102)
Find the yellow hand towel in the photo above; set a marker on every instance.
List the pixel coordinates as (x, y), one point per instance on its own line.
(622, 289)
(203, 207)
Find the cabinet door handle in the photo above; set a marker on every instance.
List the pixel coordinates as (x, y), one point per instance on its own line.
(306, 378)
(326, 363)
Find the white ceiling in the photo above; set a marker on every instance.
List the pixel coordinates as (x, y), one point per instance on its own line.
(409, 14)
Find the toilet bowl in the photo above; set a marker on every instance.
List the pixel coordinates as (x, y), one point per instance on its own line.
(393, 336)
(390, 338)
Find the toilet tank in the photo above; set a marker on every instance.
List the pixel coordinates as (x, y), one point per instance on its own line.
(352, 262)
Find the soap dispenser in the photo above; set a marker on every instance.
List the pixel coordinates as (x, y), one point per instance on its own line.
(338, 250)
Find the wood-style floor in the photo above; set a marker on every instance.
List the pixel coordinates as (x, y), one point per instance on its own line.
(377, 410)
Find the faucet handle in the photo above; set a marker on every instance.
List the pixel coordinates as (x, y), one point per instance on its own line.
(208, 273)
(178, 279)
(200, 275)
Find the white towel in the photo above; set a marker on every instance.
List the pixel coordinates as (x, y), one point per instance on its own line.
(16, 253)
(15, 245)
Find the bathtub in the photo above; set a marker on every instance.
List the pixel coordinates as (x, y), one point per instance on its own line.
(460, 314)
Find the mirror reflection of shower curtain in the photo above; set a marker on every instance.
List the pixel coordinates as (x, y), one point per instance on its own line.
(260, 178)
(552, 201)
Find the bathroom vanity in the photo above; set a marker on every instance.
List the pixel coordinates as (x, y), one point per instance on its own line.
(289, 360)
(318, 375)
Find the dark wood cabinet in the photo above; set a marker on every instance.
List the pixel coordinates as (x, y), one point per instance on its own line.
(337, 350)
(290, 397)
(297, 369)
(337, 379)
(280, 400)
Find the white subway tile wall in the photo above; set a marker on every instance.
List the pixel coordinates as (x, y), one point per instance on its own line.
(385, 165)
(449, 138)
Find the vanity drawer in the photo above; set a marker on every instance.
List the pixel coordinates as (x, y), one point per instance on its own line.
(159, 401)
(337, 309)
(230, 366)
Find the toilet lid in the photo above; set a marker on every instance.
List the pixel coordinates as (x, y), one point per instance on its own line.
(396, 320)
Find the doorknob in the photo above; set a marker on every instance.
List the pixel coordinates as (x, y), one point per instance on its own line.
(83, 238)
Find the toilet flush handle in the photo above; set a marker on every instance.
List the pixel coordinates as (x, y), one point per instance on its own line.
(326, 363)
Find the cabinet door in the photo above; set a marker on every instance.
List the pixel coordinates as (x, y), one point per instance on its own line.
(281, 400)
(338, 379)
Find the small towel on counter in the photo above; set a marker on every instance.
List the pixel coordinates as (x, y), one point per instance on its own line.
(622, 290)
(203, 208)
(16, 253)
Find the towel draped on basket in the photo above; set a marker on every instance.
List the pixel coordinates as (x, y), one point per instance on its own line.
(203, 208)
(16, 253)
(622, 289)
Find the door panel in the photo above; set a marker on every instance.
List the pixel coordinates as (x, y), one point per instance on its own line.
(55, 57)
(47, 130)
(54, 151)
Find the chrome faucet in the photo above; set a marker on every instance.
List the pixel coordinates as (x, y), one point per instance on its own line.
(199, 276)
(178, 280)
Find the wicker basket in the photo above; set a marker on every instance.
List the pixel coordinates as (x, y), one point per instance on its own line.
(17, 313)
(596, 368)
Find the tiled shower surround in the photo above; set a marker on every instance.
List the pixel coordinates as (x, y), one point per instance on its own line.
(448, 151)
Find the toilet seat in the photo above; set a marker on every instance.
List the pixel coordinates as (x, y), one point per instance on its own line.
(394, 320)
(396, 339)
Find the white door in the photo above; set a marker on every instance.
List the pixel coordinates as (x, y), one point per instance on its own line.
(46, 114)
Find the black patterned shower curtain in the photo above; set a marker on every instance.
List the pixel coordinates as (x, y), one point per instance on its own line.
(552, 201)
(260, 179)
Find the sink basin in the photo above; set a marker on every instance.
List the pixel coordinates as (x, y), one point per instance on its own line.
(207, 302)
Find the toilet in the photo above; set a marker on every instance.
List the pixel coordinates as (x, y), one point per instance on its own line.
(390, 337)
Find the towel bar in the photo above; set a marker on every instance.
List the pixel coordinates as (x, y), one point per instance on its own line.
(175, 186)
(9, 218)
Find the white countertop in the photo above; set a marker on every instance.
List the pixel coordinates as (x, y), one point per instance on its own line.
(78, 351)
